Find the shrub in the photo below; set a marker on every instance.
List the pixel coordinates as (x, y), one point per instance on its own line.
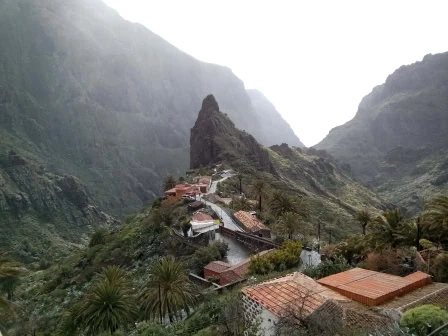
(424, 319)
(286, 257)
(326, 268)
(440, 267)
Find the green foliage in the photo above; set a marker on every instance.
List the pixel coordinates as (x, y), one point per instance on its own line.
(424, 319)
(440, 267)
(364, 217)
(289, 225)
(259, 191)
(241, 203)
(169, 182)
(286, 257)
(98, 238)
(352, 249)
(436, 213)
(386, 227)
(10, 271)
(109, 305)
(326, 268)
(168, 291)
(204, 255)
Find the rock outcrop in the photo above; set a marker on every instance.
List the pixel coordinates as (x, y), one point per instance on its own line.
(214, 139)
(402, 124)
(43, 214)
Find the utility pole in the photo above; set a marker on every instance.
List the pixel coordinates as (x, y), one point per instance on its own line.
(318, 235)
(329, 238)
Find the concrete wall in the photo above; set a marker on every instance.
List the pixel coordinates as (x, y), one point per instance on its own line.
(254, 312)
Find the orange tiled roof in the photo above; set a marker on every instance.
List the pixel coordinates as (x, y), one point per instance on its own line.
(373, 288)
(217, 266)
(251, 222)
(295, 291)
(204, 180)
(201, 217)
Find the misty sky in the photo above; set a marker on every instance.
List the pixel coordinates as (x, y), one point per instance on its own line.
(314, 60)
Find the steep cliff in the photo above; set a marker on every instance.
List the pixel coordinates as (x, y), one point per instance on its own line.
(215, 139)
(275, 129)
(86, 93)
(43, 215)
(333, 195)
(393, 124)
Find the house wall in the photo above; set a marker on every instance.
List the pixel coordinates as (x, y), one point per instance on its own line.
(210, 273)
(255, 313)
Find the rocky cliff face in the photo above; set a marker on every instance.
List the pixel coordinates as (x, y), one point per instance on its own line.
(215, 139)
(332, 193)
(275, 129)
(89, 94)
(396, 121)
(43, 215)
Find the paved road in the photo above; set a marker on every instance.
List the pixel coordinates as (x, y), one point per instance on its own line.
(229, 223)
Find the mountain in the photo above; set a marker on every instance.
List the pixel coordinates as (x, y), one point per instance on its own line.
(334, 196)
(86, 93)
(43, 216)
(399, 134)
(215, 139)
(274, 127)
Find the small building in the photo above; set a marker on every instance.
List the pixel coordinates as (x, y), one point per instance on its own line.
(203, 182)
(227, 273)
(181, 190)
(347, 302)
(249, 222)
(196, 205)
(201, 220)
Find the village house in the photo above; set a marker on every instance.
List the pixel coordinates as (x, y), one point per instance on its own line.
(346, 302)
(201, 220)
(181, 190)
(250, 222)
(227, 273)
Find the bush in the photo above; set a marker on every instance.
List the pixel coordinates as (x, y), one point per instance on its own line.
(204, 255)
(326, 268)
(424, 319)
(284, 258)
(440, 267)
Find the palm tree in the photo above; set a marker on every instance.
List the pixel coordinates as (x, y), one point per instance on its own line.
(8, 270)
(110, 304)
(240, 178)
(258, 189)
(436, 212)
(411, 231)
(290, 224)
(281, 203)
(364, 217)
(386, 227)
(98, 238)
(169, 182)
(168, 291)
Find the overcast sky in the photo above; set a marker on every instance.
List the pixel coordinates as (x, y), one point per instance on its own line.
(314, 60)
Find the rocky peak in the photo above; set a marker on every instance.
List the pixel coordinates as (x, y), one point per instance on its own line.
(209, 104)
(214, 139)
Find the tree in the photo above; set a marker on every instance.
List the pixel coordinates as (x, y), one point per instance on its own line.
(436, 212)
(422, 320)
(385, 228)
(364, 217)
(9, 269)
(411, 232)
(258, 189)
(289, 225)
(280, 203)
(240, 179)
(169, 182)
(168, 291)
(109, 305)
(98, 238)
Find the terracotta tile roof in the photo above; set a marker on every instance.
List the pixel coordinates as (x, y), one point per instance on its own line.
(217, 266)
(201, 217)
(251, 222)
(295, 291)
(204, 180)
(373, 288)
